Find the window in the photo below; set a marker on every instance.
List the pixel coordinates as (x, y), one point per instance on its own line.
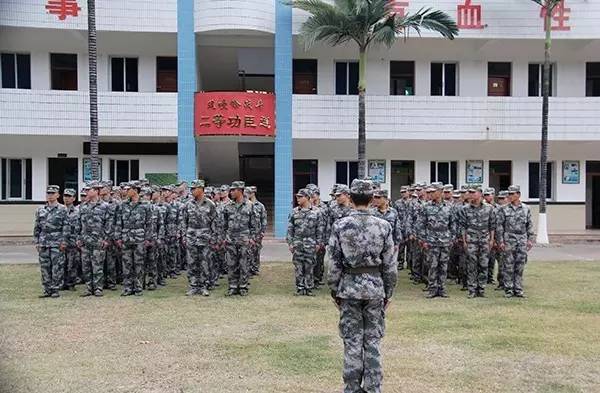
(305, 76)
(305, 172)
(124, 170)
(499, 79)
(346, 78)
(63, 71)
(536, 80)
(534, 179)
(444, 171)
(592, 79)
(16, 178)
(346, 171)
(124, 73)
(402, 78)
(15, 71)
(443, 79)
(166, 74)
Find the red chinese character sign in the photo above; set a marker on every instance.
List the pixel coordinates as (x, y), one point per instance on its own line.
(469, 16)
(398, 7)
(63, 8)
(559, 18)
(234, 113)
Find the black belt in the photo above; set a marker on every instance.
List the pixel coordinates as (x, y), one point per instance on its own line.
(361, 270)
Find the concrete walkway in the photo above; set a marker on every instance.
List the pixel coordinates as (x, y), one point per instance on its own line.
(278, 251)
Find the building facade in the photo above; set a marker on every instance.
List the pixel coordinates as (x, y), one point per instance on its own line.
(460, 111)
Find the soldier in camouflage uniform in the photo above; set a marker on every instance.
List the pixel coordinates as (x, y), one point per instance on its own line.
(156, 236)
(489, 194)
(50, 233)
(71, 252)
(341, 207)
(315, 200)
(362, 277)
(110, 260)
(478, 227)
(381, 208)
(221, 251)
(456, 245)
(239, 230)
(502, 201)
(304, 238)
(401, 206)
(437, 226)
(416, 254)
(133, 231)
(118, 260)
(160, 249)
(171, 221)
(261, 217)
(94, 233)
(515, 238)
(199, 225)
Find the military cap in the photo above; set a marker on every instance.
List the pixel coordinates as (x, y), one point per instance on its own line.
(380, 193)
(208, 190)
(313, 188)
(456, 194)
(166, 188)
(52, 189)
(238, 184)
(115, 189)
(475, 188)
(414, 195)
(83, 192)
(198, 183)
(418, 187)
(310, 186)
(123, 184)
(437, 186)
(145, 190)
(155, 188)
(464, 187)
(489, 191)
(126, 185)
(70, 192)
(253, 189)
(403, 188)
(303, 192)
(135, 184)
(448, 187)
(144, 181)
(361, 186)
(247, 190)
(411, 188)
(224, 188)
(343, 189)
(502, 194)
(514, 189)
(109, 183)
(376, 184)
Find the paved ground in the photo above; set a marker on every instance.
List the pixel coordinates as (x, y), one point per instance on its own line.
(277, 251)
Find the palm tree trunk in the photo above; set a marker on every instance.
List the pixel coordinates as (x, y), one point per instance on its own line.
(362, 132)
(542, 235)
(93, 78)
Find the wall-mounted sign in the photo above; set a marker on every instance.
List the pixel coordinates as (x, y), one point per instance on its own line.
(474, 170)
(570, 173)
(234, 113)
(376, 170)
(87, 169)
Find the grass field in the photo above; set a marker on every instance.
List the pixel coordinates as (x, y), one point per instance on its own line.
(272, 341)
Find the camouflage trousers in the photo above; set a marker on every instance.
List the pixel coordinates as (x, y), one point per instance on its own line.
(237, 255)
(214, 268)
(161, 262)
(221, 260)
(133, 266)
(415, 259)
(477, 264)
(304, 260)
(437, 259)
(401, 255)
(501, 256)
(514, 265)
(255, 258)
(319, 271)
(198, 268)
(151, 265)
(52, 262)
(182, 256)
(492, 264)
(92, 265)
(453, 261)
(110, 266)
(171, 255)
(362, 325)
(72, 260)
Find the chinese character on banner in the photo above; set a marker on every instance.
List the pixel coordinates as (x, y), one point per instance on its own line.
(560, 17)
(63, 8)
(398, 7)
(469, 16)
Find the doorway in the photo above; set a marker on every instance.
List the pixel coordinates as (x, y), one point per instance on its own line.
(403, 174)
(592, 198)
(63, 172)
(305, 172)
(500, 175)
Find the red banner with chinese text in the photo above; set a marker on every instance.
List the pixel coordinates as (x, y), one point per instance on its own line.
(234, 113)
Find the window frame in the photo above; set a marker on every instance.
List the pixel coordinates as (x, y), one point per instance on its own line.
(452, 177)
(510, 76)
(347, 66)
(456, 76)
(553, 75)
(7, 177)
(588, 79)
(347, 162)
(551, 176)
(76, 70)
(156, 70)
(295, 72)
(414, 77)
(110, 73)
(15, 56)
(113, 168)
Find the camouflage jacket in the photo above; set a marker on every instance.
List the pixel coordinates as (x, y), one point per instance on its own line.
(73, 221)
(95, 224)
(477, 222)
(134, 223)
(199, 222)
(171, 220)
(514, 224)
(437, 224)
(324, 210)
(402, 207)
(113, 211)
(157, 225)
(391, 216)
(261, 217)
(51, 227)
(239, 224)
(305, 227)
(362, 240)
(337, 212)
(415, 220)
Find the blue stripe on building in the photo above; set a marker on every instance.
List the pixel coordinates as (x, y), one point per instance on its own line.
(186, 87)
(283, 107)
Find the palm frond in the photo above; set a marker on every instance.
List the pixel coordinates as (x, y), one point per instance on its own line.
(428, 19)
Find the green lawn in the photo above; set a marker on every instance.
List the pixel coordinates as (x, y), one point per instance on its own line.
(272, 341)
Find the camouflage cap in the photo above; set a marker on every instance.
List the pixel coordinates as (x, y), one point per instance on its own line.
(380, 193)
(514, 189)
(166, 188)
(437, 186)
(310, 186)
(303, 192)
(198, 183)
(314, 189)
(83, 192)
(342, 189)
(224, 188)
(253, 189)
(123, 184)
(145, 191)
(52, 189)
(208, 190)
(403, 188)
(69, 192)
(361, 186)
(489, 191)
(155, 188)
(502, 194)
(475, 188)
(448, 187)
(115, 189)
(135, 184)
(464, 187)
(238, 184)
(144, 181)
(247, 190)
(456, 194)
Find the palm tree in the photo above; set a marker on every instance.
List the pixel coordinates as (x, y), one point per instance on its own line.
(367, 23)
(549, 6)
(93, 77)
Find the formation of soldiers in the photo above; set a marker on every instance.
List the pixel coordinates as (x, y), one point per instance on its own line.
(139, 235)
(439, 233)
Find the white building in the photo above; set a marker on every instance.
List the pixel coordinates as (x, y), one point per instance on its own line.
(436, 109)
